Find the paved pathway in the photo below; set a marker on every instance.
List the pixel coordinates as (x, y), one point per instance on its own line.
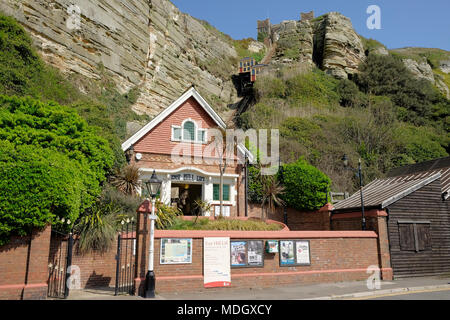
(437, 287)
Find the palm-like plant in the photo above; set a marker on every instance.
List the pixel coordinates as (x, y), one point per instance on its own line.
(126, 180)
(271, 191)
(97, 227)
(201, 207)
(166, 215)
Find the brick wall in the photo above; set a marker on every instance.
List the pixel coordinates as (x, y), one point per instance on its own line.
(335, 256)
(23, 266)
(353, 220)
(298, 220)
(376, 220)
(97, 269)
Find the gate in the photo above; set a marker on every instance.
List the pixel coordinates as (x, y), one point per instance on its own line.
(126, 261)
(60, 258)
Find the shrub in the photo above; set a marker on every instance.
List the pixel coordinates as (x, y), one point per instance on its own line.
(26, 121)
(37, 186)
(262, 36)
(349, 94)
(316, 88)
(419, 144)
(21, 70)
(224, 224)
(52, 162)
(306, 187)
(166, 215)
(98, 228)
(270, 87)
(254, 185)
(388, 76)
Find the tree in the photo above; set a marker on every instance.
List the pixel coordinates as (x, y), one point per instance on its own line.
(306, 187)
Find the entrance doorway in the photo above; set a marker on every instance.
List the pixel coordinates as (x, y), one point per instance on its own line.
(187, 194)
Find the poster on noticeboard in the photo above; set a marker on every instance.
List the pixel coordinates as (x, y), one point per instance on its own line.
(216, 262)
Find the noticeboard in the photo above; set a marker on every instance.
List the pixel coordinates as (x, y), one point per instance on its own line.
(295, 253)
(247, 253)
(175, 251)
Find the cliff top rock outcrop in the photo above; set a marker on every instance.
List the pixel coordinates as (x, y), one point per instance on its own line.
(329, 41)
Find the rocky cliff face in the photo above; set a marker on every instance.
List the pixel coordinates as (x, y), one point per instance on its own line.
(342, 49)
(148, 44)
(329, 41)
(445, 66)
(421, 70)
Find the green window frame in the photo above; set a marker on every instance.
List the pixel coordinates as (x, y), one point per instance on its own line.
(226, 192)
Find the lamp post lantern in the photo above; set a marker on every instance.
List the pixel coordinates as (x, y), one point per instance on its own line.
(153, 186)
(358, 171)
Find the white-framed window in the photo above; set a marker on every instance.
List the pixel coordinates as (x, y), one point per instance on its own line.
(189, 131)
(201, 135)
(176, 133)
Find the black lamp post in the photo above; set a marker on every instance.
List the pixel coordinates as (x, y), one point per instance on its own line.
(358, 174)
(153, 186)
(282, 182)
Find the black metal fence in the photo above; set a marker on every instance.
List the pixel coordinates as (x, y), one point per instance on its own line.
(60, 259)
(126, 262)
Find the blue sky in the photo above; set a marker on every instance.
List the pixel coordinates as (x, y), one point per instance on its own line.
(404, 23)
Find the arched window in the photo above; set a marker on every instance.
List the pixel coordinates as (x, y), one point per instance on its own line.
(189, 131)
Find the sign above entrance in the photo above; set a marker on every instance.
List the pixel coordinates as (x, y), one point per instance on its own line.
(187, 177)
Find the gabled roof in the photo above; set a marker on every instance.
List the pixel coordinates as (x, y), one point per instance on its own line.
(164, 114)
(190, 93)
(381, 193)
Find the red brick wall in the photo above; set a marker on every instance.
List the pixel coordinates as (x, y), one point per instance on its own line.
(375, 221)
(297, 220)
(331, 260)
(335, 256)
(23, 266)
(353, 220)
(97, 269)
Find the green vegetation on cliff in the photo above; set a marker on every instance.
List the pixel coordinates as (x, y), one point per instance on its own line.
(385, 116)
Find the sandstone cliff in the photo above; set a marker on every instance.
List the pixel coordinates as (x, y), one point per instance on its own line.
(329, 41)
(148, 44)
(428, 63)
